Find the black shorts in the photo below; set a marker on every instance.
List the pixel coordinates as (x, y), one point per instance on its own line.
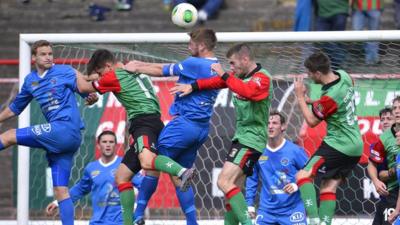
(385, 207)
(144, 130)
(329, 163)
(243, 156)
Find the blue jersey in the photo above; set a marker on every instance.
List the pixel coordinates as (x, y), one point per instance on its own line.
(54, 93)
(276, 169)
(98, 178)
(198, 105)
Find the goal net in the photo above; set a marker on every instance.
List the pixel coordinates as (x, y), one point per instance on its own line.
(282, 54)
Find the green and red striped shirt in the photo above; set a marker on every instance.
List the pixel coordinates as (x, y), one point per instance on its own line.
(365, 5)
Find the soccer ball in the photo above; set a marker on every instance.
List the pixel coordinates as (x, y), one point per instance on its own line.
(184, 15)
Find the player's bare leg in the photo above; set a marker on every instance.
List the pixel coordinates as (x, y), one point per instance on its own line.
(230, 176)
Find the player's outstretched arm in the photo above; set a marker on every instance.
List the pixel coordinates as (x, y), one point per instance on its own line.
(151, 69)
(6, 114)
(181, 89)
(84, 84)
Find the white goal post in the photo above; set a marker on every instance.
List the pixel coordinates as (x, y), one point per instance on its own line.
(254, 37)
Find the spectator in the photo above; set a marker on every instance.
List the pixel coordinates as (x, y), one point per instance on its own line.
(368, 13)
(208, 9)
(332, 16)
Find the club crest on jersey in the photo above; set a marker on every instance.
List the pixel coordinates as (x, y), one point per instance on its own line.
(46, 127)
(284, 161)
(53, 81)
(257, 80)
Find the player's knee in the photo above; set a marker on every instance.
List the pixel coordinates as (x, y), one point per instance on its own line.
(146, 158)
(301, 175)
(122, 176)
(61, 193)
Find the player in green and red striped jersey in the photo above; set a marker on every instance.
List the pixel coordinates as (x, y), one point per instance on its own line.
(342, 147)
(253, 90)
(136, 93)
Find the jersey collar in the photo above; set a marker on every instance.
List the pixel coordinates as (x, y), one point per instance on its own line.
(328, 85)
(253, 71)
(108, 164)
(277, 148)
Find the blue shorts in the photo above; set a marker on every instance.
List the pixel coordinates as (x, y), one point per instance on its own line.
(60, 141)
(181, 138)
(293, 216)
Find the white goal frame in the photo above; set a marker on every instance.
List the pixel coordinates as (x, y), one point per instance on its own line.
(25, 68)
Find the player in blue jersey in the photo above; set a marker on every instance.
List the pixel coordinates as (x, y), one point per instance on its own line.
(280, 201)
(98, 179)
(54, 88)
(188, 130)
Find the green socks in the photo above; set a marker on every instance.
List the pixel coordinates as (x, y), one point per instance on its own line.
(127, 198)
(230, 218)
(239, 206)
(327, 207)
(309, 197)
(167, 165)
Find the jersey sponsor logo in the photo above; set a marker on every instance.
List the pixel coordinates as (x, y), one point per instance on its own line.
(296, 217)
(322, 169)
(34, 84)
(46, 127)
(95, 173)
(284, 161)
(36, 130)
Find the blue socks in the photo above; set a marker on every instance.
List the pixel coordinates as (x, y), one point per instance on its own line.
(146, 190)
(1, 145)
(67, 211)
(186, 200)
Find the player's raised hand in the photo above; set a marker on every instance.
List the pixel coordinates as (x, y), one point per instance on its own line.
(181, 89)
(393, 216)
(380, 188)
(252, 212)
(51, 208)
(299, 87)
(91, 99)
(217, 67)
(290, 188)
